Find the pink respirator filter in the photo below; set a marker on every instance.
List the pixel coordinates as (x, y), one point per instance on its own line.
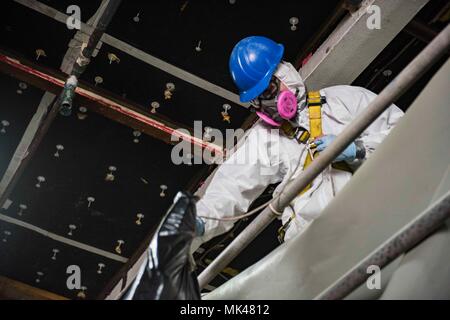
(286, 107)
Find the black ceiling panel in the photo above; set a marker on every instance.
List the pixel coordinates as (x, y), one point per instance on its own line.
(142, 83)
(17, 106)
(91, 146)
(24, 253)
(171, 30)
(36, 31)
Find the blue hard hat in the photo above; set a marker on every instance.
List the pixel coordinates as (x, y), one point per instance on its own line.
(252, 64)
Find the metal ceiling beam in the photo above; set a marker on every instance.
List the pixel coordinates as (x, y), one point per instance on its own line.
(353, 46)
(322, 33)
(138, 54)
(421, 31)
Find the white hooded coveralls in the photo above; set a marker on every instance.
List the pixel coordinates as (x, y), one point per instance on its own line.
(267, 157)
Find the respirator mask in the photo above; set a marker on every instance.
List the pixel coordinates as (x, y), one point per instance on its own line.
(274, 106)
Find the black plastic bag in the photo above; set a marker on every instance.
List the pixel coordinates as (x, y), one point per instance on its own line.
(167, 273)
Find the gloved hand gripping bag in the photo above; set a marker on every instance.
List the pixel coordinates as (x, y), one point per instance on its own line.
(168, 273)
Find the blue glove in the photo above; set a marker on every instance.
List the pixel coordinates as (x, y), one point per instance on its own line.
(199, 227)
(348, 154)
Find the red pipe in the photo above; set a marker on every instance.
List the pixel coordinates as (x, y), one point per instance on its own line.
(115, 106)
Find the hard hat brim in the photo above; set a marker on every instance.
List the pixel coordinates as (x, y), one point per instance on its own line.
(255, 91)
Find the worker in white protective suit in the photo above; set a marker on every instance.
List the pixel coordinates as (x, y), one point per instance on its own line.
(295, 126)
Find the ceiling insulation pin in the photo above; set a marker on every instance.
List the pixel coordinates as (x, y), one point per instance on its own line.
(207, 135)
(22, 208)
(90, 200)
(170, 88)
(139, 216)
(225, 116)
(136, 18)
(113, 58)
(293, 21)
(59, 148)
(7, 233)
(55, 252)
(119, 245)
(155, 105)
(82, 113)
(136, 135)
(98, 80)
(40, 53)
(72, 228)
(198, 48)
(39, 276)
(100, 268)
(5, 124)
(82, 293)
(22, 86)
(40, 180)
(184, 5)
(67, 96)
(163, 189)
(110, 175)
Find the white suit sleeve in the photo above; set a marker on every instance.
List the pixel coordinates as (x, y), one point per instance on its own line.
(380, 128)
(240, 180)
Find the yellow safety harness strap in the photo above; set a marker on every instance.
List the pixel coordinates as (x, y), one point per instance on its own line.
(315, 125)
(315, 131)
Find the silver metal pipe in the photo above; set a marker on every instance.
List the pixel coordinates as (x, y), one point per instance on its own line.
(404, 240)
(416, 68)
